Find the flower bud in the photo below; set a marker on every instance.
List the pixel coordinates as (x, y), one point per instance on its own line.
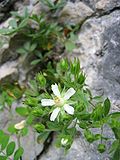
(64, 141)
(41, 79)
(101, 148)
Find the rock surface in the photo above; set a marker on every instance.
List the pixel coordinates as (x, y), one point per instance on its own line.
(31, 147)
(75, 13)
(80, 150)
(98, 50)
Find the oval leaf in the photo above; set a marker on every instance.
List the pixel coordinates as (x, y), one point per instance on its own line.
(106, 106)
(5, 141)
(18, 153)
(10, 148)
(22, 111)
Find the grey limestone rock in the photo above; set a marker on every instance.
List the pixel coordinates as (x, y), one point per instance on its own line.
(98, 50)
(75, 13)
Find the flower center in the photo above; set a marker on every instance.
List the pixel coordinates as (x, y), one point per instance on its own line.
(58, 101)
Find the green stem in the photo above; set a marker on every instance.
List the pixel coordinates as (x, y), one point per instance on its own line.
(5, 155)
(19, 144)
(101, 133)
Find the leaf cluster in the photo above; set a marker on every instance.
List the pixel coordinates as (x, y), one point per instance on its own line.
(90, 111)
(8, 148)
(40, 36)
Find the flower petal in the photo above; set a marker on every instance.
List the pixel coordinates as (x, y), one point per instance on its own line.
(69, 93)
(20, 125)
(55, 90)
(69, 109)
(54, 114)
(47, 102)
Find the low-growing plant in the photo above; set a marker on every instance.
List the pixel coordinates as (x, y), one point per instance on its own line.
(8, 149)
(10, 93)
(40, 36)
(59, 101)
(53, 6)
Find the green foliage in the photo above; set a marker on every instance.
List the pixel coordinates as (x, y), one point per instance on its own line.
(40, 37)
(10, 93)
(22, 111)
(8, 148)
(89, 112)
(18, 153)
(53, 6)
(101, 148)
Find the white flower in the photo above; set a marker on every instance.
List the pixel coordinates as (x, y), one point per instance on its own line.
(64, 141)
(20, 125)
(59, 101)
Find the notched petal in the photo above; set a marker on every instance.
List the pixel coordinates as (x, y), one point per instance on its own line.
(69, 109)
(47, 102)
(55, 90)
(70, 92)
(54, 114)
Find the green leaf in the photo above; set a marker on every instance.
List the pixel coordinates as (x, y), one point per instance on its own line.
(115, 115)
(6, 31)
(13, 23)
(83, 125)
(36, 61)
(54, 126)
(73, 37)
(49, 3)
(24, 131)
(3, 158)
(106, 106)
(41, 79)
(5, 141)
(11, 129)
(1, 136)
(101, 148)
(81, 78)
(18, 153)
(116, 132)
(30, 119)
(116, 155)
(97, 113)
(37, 112)
(23, 23)
(69, 45)
(10, 148)
(27, 46)
(22, 111)
(22, 51)
(39, 127)
(83, 116)
(114, 146)
(89, 136)
(33, 46)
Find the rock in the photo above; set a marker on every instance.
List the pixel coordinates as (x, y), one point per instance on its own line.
(4, 44)
(37, 9)
(99, 46)
(9, 71)
(5, 7)
(102, 6)
(75, 13)
(80, 150)
(107, 5)
(28, 142)
(30, 145)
